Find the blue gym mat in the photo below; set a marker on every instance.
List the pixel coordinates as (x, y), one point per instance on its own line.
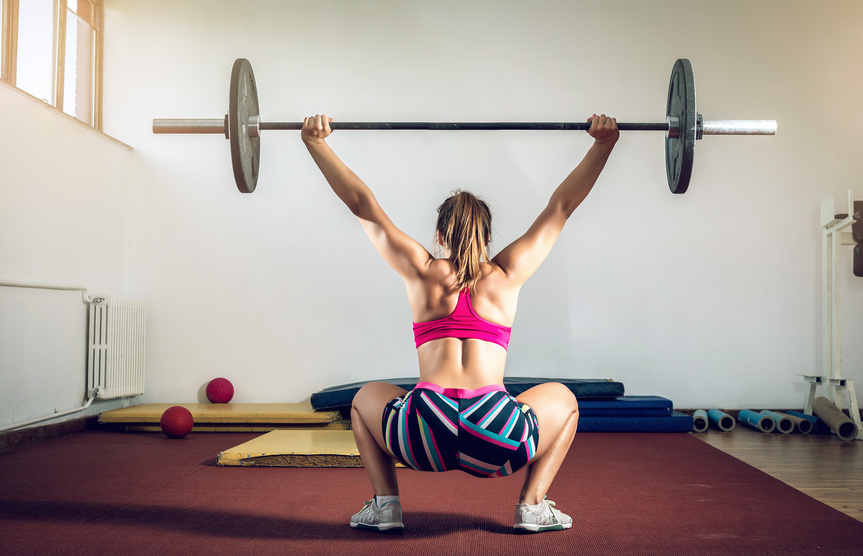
(631, 414)
(621, 406)
(676, 422)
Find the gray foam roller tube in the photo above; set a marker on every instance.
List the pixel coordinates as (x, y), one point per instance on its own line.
(838, 422)
(783, 423)
(699, 420)
(756, 420)
(721, 420)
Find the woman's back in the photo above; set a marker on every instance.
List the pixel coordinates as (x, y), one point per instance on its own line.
(468, 363)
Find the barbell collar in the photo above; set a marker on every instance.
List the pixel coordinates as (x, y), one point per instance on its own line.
(673, 127)
(254, 126)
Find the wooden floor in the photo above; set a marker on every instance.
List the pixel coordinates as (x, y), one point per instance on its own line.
(821, 466)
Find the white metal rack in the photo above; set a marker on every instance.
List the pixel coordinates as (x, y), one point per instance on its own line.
(834, 236)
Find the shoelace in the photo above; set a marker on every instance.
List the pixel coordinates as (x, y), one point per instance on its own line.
(554, 518)
(366, 506)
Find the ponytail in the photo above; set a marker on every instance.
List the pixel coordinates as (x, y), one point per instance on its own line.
(464, 223)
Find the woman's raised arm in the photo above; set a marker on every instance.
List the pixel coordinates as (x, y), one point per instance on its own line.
(407, 256)
(520, 259)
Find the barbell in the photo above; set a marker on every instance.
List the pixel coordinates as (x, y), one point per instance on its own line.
(683, 125)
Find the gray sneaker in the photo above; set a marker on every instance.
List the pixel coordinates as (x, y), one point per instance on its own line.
(546, 518)
(387, 518)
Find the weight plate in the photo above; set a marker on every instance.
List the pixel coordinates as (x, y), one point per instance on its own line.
(243, 103)
(857, 227)
(679, 151)
(858, 260)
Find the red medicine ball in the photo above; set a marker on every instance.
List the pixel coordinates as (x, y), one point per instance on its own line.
(176, 421)
(220, 390)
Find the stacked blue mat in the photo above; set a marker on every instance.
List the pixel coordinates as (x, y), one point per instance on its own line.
(631, 414)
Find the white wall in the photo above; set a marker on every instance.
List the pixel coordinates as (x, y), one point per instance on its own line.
(711, 298)
(64, 213)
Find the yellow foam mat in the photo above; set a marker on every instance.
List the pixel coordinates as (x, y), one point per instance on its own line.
(210, 414)
(295, 448)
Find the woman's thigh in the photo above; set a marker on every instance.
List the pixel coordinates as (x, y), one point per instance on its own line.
(553, 404)
(370, 402)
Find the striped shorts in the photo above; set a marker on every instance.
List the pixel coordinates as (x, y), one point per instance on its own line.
(483, 432)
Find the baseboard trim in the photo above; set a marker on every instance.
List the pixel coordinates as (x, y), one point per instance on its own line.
(41, 433)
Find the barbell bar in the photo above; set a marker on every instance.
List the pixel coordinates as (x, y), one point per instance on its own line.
(255, 126)
(683, 125)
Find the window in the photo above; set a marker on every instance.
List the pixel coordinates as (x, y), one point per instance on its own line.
(52, 50)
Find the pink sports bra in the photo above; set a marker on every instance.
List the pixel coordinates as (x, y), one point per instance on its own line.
(463, 323)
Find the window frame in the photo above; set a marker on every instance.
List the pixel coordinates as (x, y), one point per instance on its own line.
(9, 46)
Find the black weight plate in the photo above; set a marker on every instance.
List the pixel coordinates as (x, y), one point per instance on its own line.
(857, 227)
(243, 103)
(679, 151)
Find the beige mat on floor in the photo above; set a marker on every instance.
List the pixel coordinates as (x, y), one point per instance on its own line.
(228, 417)
(295, 448)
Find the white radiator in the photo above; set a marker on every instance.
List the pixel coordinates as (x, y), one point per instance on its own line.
(117, 331)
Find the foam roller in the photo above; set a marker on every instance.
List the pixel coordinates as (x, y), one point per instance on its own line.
(783, 423)
(699, 420)
(838, 422)
(721, 420)
(756, 420)
(803, 426)
(818, 426)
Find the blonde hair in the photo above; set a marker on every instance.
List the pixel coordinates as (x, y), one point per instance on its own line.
(464, 224)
